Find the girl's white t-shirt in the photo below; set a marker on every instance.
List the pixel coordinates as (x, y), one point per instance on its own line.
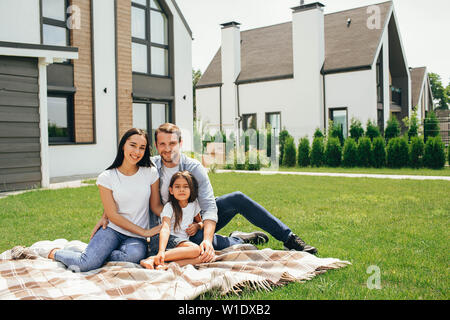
(189, 212)
(131, 194)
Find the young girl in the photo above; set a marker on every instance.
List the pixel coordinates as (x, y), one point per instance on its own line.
(178, 217)
(128, 189)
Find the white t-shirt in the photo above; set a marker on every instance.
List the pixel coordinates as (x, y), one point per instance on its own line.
(164, 182)
(131, 194)
(189, 212)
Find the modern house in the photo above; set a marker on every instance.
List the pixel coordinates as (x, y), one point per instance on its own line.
(422, 96)
(76, 74)
(300, 74)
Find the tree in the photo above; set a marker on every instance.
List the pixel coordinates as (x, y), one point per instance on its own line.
(196, 75)
(290, 153)
(431, 126)
(317, 152)
(333, 152)
(303, 152)
(392, 128)
(434, 155)
(350, 153)
(356, 129)
(440, 93)
(379, 152)
(364, 152)
(284, 134)
(372, 130)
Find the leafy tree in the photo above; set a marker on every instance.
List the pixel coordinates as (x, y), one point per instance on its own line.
(356, 129)
(318, 133)
(303, 152)
(440, 93)
(413, 125)
(196, 75)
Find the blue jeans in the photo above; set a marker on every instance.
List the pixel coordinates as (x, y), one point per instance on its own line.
(229, 205)
(106, 245)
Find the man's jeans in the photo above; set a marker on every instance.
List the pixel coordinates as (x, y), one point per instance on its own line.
(237, 202)
(106, 245)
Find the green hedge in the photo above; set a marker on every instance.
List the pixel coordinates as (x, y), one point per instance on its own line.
(416, 150)
(379, 152)
(303, 159)
(350, 153)
(333, 152)
(364, 152)
(317, 152)
(290, 153)
(397, 152)
(434, 155)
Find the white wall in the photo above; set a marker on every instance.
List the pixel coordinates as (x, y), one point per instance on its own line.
(92, 159)
(208, 105)
(184, 103)
(19, 21)
(354, 90)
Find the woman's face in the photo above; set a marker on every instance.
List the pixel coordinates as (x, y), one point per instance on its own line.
(180, 189)
(134, 149)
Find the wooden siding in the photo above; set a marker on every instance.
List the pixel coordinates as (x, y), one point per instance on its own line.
(20, 161)
(124, 68)
(83, 79)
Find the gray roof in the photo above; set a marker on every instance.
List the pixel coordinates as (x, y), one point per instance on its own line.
(266, 53)
(417, 77)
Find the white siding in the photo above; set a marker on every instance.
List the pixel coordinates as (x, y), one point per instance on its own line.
(19, 21)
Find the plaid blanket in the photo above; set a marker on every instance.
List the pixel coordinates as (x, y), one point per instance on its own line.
(25, 273)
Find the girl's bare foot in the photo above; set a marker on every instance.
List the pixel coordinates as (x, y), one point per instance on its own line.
(148, 263)
(51, 255)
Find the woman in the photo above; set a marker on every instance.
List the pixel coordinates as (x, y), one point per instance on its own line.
(125, 189)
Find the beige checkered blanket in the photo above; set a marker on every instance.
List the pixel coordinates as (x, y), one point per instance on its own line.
(26, 274)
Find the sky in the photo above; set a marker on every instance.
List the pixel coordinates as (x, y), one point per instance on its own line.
(424, 26)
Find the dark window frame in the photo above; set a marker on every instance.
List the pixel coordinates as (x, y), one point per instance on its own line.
(245, 116)
(148, 108)
(148, 41)
(331, 117)
(268, 114)
(70, 118)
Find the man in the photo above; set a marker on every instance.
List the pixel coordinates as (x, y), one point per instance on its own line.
(216, 212)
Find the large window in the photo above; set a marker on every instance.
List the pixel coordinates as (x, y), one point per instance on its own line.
(53, 23)
(274, 120)
(150, 38)
(340, 118)
(149, 116)
(60, 118)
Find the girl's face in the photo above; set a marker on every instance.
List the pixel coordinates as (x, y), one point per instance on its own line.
(134, 149)
(180, 189)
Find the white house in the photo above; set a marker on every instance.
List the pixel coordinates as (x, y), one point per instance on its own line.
(299, 74)
(76, 74)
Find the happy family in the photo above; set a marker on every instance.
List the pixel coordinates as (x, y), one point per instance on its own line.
(162, 209)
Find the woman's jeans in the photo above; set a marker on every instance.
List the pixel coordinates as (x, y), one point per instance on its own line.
(106, 245)
(227, 207)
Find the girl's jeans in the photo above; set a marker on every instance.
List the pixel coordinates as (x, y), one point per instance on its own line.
(106, 245)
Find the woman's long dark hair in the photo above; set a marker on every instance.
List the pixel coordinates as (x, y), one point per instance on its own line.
(144, 162)
(193, 186)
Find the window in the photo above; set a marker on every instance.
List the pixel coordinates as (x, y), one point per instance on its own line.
(340, 118)
(249, 121)
(274, 120)
(379, 75)
(53, 22)
(150, 38)
(60, 118)
(149, 116)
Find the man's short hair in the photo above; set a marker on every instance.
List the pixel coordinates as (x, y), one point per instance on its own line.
(168, 128)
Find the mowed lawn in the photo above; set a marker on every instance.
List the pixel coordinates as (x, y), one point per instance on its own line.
(399, 226)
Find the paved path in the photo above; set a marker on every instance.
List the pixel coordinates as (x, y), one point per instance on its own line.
(346, 175)
(58, 185)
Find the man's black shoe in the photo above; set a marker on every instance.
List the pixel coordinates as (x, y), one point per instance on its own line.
(256, 237)
(294, 242)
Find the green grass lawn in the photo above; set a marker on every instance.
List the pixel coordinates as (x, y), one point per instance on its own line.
(401, 226)
(403, 171)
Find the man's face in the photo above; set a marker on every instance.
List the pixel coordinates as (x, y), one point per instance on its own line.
(168, 147)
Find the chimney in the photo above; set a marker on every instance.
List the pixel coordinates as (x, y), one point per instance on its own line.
(231, 67)
(308, 42)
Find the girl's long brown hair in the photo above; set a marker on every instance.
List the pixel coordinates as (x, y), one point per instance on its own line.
(193, 186)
